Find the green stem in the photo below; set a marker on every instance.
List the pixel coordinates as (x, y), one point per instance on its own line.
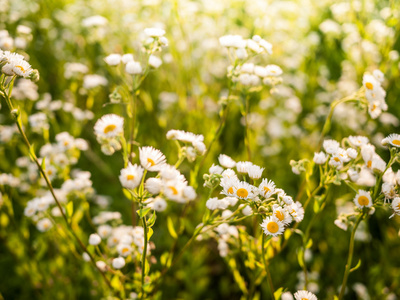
(350, 257)
(269, 278)
(144, 254)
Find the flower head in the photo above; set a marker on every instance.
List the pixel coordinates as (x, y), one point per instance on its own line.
(363, 199)
(151, 159)
(130, 176)
(305, 295)
(272, 226)
(109, 126)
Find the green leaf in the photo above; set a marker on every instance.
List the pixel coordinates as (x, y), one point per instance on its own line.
(300, 257)
(316, 206)
(127, 194)
(309, 243)
(150, 233)
(278, 293)
(143, 212)
(44, 163)
(171, 228)
(356, 267)
(70, 210)
(115, 283)
(32, 151)
(151, 220)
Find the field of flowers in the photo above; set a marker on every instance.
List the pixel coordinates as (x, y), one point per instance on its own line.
(197, 149)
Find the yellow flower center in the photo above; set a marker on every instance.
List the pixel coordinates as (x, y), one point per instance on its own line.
(174, 190)
(369, 164)
(45, 225)
(396, 142)
(130, 177)
(363, 200)
(279, 215)
(66, 143)
(242, 193)
(150, 161)
(398, 205)
(125, 250)
(369, 85)
(273, 227)
(266, 189)
(304, 298)
(109, 128)
(21, 68)
(230, 190)
(336, 159)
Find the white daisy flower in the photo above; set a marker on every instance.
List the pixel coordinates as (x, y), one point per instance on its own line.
(331, 146)
(153, 185)
(341, 224)
(370, 82)
(118, 263)
(243, 190)
(184, 136)
(215, 169)
(247, 210)
(396, 205)
(281, 214)
(94, 239)
(154, 32)
(296, 210)
(358, 141)
(155, 61)
(336, 161)
(363, 199)
(243, 166)
(113, 59)
(351, 153)
(378, 74)
(44, 225)
(226, 161)
(229, 185)
(266, 188)
(393, 139)
(232, 41)
(124, 249)
(104, 231)
(304, 295)
(131, 176)
(159, 204)
(151, 159)
(109, 126)
(255, 172)
(273, 70)
(173, 190)
(133, 67)
(272, 226)
(320, 158)
(215, 203)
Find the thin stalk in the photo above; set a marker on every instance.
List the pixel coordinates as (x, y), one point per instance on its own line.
(144, 254)
(350, 257)
(269, 278)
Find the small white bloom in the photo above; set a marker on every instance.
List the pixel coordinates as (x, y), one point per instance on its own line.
(304, 295)
(247, 211)
(153, 185)
(94, 239)
(226, 161)
(113, 59)
(272, 226)
(255, 172)
(118, 263)
(131, 176)
(154, 32)
(155, 61)
(320, 158)
(109, 126)
(44, 225)
(133, 67)
(363, 199)
(151, 159)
